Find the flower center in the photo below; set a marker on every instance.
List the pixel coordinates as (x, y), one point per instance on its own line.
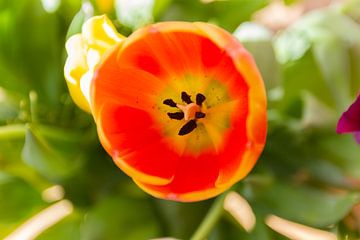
(190, 111)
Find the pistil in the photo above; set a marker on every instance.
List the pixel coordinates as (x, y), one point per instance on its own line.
(190, 111)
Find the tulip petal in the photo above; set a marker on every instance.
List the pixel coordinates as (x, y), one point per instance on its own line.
(136, 144)
(350, 120)
(85, 51)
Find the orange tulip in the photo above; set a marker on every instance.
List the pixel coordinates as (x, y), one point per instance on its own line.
(181, 108)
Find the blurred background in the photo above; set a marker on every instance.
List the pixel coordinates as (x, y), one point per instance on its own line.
(56, 181)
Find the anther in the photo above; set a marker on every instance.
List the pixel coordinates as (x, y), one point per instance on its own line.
(190, 112)
(200, 99)
(186, 97)
(188, 127)
(200, 115)
(176, 115)
(169, 102)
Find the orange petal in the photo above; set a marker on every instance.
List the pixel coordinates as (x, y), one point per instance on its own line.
(130, 136)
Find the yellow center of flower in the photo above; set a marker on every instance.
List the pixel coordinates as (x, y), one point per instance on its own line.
(194, 113)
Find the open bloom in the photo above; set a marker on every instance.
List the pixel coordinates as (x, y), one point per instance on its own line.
(181, 108)
(85, 51)
(350, 120)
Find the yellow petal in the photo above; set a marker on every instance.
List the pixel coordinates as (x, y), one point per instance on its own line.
(100, 33)
(75, 45)
(85, 51)
(75, 67)
(85, 85)
(78, 97)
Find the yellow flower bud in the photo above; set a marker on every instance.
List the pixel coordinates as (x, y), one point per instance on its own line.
(85, 51)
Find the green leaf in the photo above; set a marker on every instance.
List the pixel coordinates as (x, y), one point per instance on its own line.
(76, 23)
(231, 230)
(260, 231)
(227, 14)
(304, 75)
(120, 218)
(313, 154)
(231, 13)
(333, 59)
(182, 219)
(316, 114)
(327, 172)
(342, 150)
(306, 205)
(53, 163)
(160, 6)
(323, 39)
(18, 199)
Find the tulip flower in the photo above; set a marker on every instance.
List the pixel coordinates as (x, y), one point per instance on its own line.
(181, 108)
(350, 120)
(85, 51)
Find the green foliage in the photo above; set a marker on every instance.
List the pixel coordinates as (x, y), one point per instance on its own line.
(30, 47)
(181, 220)
(118, 216)
(52, 162)
(17, 199)
(68, 228)
(76, 24)
(227, 14)
(281, 199)
(307, 173)
(328, 33)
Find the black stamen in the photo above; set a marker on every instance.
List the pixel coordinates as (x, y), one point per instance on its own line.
(200, 99)
(186, 97)
(188, 128)
(176, 115)
(169, 102)
(200, 115)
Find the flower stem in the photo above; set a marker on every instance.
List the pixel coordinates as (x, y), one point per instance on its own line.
(211, 218)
